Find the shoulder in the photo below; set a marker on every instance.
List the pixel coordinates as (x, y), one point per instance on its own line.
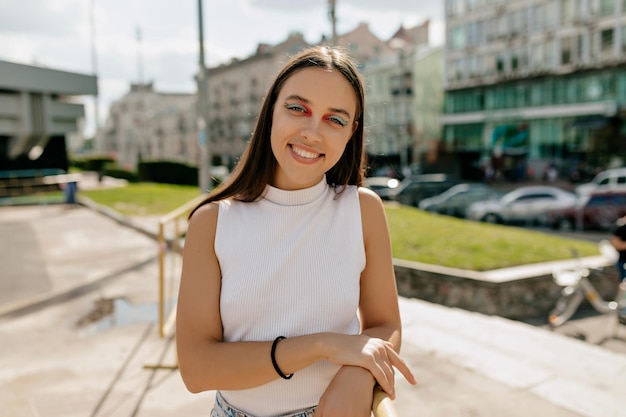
(205, 217)
(372, 207)
(369, 200)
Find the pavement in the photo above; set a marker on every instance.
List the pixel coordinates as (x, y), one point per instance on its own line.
(78, 292)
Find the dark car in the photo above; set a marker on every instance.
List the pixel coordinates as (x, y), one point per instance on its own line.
(382, 185)
(412, 190)
(456, 200)
(594, 211)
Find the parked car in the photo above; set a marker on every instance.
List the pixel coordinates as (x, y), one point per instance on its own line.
(609, 180)
(382, 185)
(456, 200)
(414, 189)
(593, 211)
(524, 205)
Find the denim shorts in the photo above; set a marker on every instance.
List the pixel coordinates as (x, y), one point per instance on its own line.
(223, 409)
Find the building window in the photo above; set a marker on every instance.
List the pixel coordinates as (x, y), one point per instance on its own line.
(537, 56)
(567, 11)
(607, 7)
(458, 38)
(402, 85)
(538, 16)
(550, 14)
(501, 63)
(489, 65)
(606, 41)
(549, 54)
(567, 49)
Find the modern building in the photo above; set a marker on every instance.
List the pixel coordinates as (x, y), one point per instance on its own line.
(534, 84)
(146, 124)
(39, 107)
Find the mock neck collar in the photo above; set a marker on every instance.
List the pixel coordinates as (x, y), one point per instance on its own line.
(295, 197)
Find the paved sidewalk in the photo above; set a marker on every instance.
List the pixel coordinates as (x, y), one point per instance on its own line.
(58, 261)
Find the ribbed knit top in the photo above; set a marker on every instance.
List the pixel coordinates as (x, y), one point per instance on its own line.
(291, 265)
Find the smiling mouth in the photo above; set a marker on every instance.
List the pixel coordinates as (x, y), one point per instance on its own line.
(305, 154)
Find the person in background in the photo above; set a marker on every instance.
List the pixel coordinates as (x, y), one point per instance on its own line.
(618, 240)
(287, 303)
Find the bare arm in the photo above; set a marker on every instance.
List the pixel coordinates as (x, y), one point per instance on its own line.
(379, 310)
(617, 243)
(351, 390)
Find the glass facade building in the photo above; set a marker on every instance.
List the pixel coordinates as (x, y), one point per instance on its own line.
(532, 85)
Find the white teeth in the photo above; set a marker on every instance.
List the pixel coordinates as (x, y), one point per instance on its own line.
(305, 154)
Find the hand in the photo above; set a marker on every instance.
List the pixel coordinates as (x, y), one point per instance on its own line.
(375, 355)
(348, 394)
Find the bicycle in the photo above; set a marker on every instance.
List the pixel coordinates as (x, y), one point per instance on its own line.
(577, 286)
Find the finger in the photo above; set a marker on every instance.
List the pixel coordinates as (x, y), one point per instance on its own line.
(382, 378)
(401, 366)
(390, 375)
(384, 373)
(406, 372)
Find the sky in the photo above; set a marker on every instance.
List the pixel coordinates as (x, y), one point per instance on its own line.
(126, 41)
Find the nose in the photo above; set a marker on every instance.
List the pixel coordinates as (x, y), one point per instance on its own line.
(311, 131)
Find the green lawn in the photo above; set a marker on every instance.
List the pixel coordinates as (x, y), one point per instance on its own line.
(416, 235)
(143, 199)
(442, 240)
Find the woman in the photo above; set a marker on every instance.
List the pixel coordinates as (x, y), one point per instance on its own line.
(287, 304)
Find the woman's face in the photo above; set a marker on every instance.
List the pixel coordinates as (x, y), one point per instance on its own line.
(313, 120)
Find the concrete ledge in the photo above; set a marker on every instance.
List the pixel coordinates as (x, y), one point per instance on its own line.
(522, 292)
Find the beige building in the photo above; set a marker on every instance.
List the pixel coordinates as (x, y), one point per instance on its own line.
(149, 125)
(404, 105)
(404, 101)
(236, 89)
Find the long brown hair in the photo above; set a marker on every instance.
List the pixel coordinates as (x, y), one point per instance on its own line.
(255, 169)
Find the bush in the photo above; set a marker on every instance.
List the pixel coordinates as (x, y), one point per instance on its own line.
(116, 171)
(168, 172)
(96, 163)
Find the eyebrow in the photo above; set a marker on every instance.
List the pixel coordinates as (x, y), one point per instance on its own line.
(332, 109)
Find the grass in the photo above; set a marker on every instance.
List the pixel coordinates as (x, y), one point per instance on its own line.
(442, 240)
(143, 199)
(416, 235)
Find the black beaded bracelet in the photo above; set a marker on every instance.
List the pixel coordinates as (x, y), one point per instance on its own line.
(273, 355)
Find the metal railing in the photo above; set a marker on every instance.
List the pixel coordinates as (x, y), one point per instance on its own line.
(382, 406)
(21, 186)
(171, 247)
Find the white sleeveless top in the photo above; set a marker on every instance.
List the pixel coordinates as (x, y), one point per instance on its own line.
(291, 265)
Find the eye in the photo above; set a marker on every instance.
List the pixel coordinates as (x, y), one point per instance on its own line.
(337, 120)
(296, 107)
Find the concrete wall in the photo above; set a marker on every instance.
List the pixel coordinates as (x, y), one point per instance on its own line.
(526, 292)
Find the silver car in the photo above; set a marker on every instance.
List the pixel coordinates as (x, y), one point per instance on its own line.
(524, 205)
(609, 180)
